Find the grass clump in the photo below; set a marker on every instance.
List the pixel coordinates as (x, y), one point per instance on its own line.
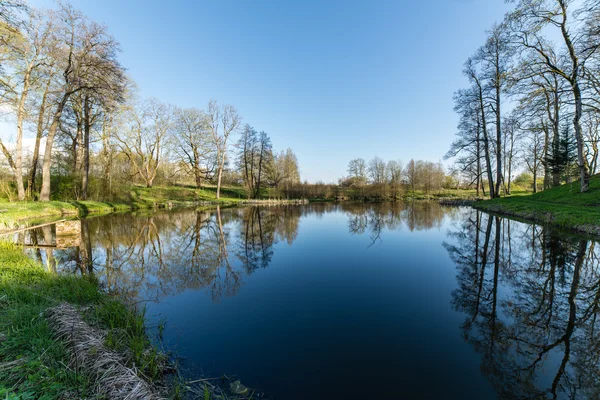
(35, 365)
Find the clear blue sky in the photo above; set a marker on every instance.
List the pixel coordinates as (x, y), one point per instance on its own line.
(333, 80)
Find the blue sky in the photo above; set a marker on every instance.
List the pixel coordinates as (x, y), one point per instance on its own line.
(333, 80)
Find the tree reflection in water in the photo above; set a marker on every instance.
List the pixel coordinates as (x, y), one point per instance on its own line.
(155, 254)
(415, 216)
(531, 296)
(149, 256)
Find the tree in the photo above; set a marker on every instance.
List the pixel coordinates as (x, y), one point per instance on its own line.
(511, 138)
(377, 171)
(247, 145)
(265, 154)
(27, 53)
(591, 126)
(194, 143)
(528, 22)
(411, 174)
(144, 140)
(394, 174)
(357, 169)
(467, 147)
(478, 89)
(222, 122)
(494, 58)
(533, 152)
(283, 171)
(86, 55)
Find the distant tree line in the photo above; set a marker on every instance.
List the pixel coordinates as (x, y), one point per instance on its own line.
(533, 102)
(393, 178)
(61, 79)
(381, 180)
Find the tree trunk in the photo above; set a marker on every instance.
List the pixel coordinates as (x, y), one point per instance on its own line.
(38, 139)
(45, 192)
(485, 139)
(584, 172)
(534, 175)
(19, 149)
(86, 148)
(556, 134)
(498, 139)
(546, 164)
(219, 176)
(478, 155)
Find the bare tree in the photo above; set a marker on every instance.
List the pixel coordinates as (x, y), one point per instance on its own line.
(86, 56)
(27, 51)
(467, 147)
(528, 23)
(494, 58)
(222, 122)
(478, 89)
(377, 171)
(145, 139)
(194, 144)
(394, 175)
(357, 169)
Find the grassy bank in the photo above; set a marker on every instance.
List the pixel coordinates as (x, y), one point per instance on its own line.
(137, 197)
(33, 365)
(563, 206)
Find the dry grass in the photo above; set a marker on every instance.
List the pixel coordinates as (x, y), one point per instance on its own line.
(109, 375)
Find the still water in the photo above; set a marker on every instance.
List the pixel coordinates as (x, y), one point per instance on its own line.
(352, 301)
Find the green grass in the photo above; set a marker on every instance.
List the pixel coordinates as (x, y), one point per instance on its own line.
(137, 197)
(41, 369)
(564, 206)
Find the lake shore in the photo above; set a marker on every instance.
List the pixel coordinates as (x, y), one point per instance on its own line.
(13, 214)
(563, 207)
(37, 358)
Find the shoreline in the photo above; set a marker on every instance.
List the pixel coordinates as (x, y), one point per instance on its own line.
(13, 215)
(578, 219)
(114, 334)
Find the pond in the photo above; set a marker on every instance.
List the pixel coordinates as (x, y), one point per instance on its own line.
(354, 301)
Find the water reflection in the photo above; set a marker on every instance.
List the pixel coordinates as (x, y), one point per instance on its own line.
(526, 297)
(531, 296)
(158, 254)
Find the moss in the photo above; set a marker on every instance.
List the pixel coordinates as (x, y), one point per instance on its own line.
(32, 363)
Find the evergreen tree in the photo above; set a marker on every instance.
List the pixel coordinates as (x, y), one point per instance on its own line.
(562, 159)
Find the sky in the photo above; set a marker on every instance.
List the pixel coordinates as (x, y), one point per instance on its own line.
(332, 80)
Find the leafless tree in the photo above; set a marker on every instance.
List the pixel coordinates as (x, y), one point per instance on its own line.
(194, 144)
(86, 55)
(528, 23)
(144, 140)
(222, 122)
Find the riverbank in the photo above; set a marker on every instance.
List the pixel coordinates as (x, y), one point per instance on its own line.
(12, 214)
(36, 361)
(562, 206)
(136, 198)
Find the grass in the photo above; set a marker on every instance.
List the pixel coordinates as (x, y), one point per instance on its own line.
(35, 366)
(137, 197)
(564, 206)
